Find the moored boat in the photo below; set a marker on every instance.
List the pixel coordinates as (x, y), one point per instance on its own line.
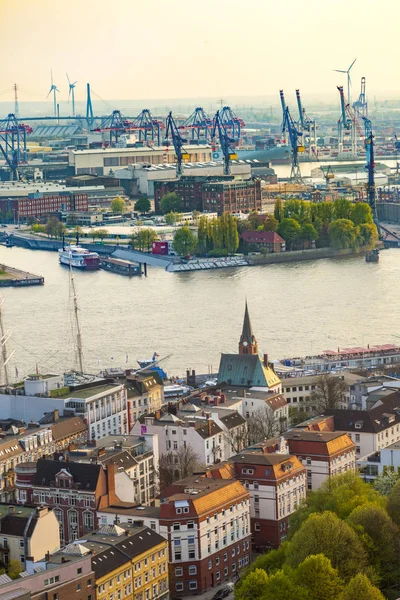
(79, 258)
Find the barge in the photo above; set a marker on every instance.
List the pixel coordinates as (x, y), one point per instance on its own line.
(120, 266)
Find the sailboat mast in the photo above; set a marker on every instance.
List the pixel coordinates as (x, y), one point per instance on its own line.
(3, 344)
(78, 327)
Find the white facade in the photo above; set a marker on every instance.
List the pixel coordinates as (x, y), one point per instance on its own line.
(274, 502)
(108, 518)
(368, 443)
(319, 469)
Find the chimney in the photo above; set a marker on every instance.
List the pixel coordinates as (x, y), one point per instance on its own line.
(266, 360)
(110, 474)
(56, 415)
(47, 556)
(209, 422)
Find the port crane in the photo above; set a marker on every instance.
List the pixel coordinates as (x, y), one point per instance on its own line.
(347, 123)
(283, 103)
(307, 125)
(231, 122)
(360, 106)
(370, 166)
(13, 142)
(225, 142)
(294, 135)
(148, 127)
(116, 124)
(178, 142)
(200, 124)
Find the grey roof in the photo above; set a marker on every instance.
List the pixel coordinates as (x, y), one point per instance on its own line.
(87, 474)
(208, 429)
(232, 419)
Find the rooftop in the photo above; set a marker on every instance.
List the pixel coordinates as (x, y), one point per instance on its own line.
(88, 392)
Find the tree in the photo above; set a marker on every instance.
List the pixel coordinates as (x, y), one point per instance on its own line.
(77, 231)
(39, 228)
(72, 219)
(142, 205)
(290, 230)
(177, 465)
(380, 537)
(343, 209)
(326, 534)
(342, 234)
(54, 227)
(118, 205)
(196, 216)
(237, 438)
(361, 213)
(9, 216)
(171, 202)
(270, 223)
(278, 210)
(231, 235)
(280, 586)
(185, 241)
(14, 569)
(170, 218)
(145, 238)
(254, 220)
(298, 210)
(262, 425)
(309, 233)
(94, 234)
(329, 393)
(102, 234)
(360, 588)
(385, 482)
(253, 586)
(393, 504)
(320, 579)
(368, 235)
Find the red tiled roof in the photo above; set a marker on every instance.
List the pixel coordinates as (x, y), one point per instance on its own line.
(263, 237)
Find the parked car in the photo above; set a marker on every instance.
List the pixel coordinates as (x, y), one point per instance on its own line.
(223, 592)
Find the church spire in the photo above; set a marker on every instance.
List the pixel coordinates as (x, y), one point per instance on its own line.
(247, 343)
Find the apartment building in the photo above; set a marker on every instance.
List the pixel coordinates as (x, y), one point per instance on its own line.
(207, 525)
(145, 394)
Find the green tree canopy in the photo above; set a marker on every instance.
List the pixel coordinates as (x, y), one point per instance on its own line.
(320, 579)
(360, 213)
(254, 220)
(14, 568)
(393, 504)
(326, 534)
(278, 209)
(280, 586)
(309, 233)
(253, 586)
(385, 482)
(118, 205)
(54, 227)
(342, 208)
(171, 202)
(270, 223)
(77, 231)
(143, 205)
(290, 230)
(185, 241)
(143, 239)
(101, 233)
(360, 588)
(170, 218)
(368, 235)
(298, 210)
(342, 234)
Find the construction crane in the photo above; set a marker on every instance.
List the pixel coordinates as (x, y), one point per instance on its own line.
(178, 142)
(148, 127)
(307, 125)
(231, 122)
(116, 124)
(294, 135)
(370, 166)
(360, 106)
(225, 142)
(13, 143)
(200, 124)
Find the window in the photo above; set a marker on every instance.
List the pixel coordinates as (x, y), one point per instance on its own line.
(257, 527)
(192, 554)
(78, 587)
(226, 571)
(192, 585)
(178, 556)
(178, 571)
(357, 437)
(177, 526)
(225, 556)
(21, 543)
(191, 539)
(210, 564)
(190, 525)
(79, 571)
(179, 586)
(192, 570)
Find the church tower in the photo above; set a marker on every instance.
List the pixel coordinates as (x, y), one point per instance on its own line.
(248, 343)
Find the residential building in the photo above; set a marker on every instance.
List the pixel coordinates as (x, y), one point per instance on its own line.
(383, 461)
(27, 533)
(145, 394)
(74, 490)
(207, 525)
(246, 369)
(38, 204)
(128, 562)
(277, 485)
(268, 240)
(102, 402)
(364, 392)
(239, 195)
(130, 514)
(53, 582)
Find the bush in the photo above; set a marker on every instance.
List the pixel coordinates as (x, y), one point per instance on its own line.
(218, 253)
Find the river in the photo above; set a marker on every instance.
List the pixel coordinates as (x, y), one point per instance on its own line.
(296, 309)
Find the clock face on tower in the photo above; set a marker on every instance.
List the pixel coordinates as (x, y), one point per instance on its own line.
(244, 344)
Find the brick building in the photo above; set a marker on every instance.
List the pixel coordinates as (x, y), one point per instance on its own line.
(269, 240)
(74, 490)
(40, 204)
(190, 189)
(207, 525)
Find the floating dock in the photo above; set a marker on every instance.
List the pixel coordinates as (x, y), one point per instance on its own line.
(121, 266)
(10, 277)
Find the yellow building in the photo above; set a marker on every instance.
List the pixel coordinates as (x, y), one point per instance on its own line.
(129, 562)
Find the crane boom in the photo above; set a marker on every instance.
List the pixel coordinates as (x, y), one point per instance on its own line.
(301, 112)
(294, 136)
(178, 142)
(225, 142)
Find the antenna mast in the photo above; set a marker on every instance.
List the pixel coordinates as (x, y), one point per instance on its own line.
(78, 327)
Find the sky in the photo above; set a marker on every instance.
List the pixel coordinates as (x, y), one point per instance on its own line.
(159, 49)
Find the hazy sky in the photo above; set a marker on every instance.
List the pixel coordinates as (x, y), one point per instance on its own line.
(132, 49)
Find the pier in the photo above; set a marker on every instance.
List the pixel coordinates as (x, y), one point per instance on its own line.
(10, 277)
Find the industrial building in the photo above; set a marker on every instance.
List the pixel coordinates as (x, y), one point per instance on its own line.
(41, 203)
(100, 161)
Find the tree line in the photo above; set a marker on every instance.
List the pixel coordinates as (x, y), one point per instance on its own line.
(344, 544)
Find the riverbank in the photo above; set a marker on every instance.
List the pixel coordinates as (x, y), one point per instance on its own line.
(11, 277)
(312, 254)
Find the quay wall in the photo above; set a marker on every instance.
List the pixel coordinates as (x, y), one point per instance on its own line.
(312, 254)
(388, 211)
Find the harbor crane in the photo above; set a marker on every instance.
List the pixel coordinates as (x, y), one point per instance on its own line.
(231, 122)
(346, 122)
(283, 103)
(200, 124)
(294, 135)
(54, 89)
(178, 143)
(307, 125)
(225, 142)
(360, 106)
(370, 166)
(148, 127)
(348, 78)
(71, 93)
(13, 143)
(116, 124)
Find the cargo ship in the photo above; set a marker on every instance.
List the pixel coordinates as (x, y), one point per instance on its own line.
(79, 258)
(276, 153)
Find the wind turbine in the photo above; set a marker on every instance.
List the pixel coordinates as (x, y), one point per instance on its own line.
(53, 89)
(72, 91)
(348, 79)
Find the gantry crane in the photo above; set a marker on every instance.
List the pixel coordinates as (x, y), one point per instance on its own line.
(200, 124)
(116, 124)
(307, 125)
(13, 143)
(178, 142)
(231, 122)
(148, 127)
(360, 106)
(283, 103)
(346, 122)
(225, 142)
(294, 136)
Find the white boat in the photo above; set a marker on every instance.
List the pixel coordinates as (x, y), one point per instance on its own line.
(80, 258)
